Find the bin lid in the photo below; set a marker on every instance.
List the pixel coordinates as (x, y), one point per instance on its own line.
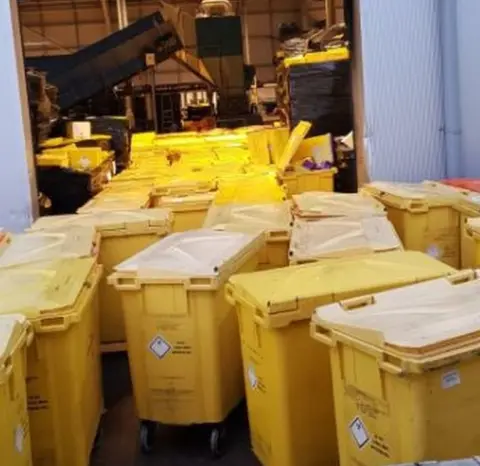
(322, 204)
(190, 200)
(297, 290)
(56, 243)
(12, 327)
(194, 253)
(104, 221)
(267, 217)
(339, 237)
(109, 202)
(296, 138)
(420, 319)
(427, 192)
(43, 289)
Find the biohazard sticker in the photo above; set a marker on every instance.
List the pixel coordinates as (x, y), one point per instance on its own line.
(359, 432)
(160, 347)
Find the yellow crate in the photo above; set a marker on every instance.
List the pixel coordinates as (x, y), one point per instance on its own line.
(50, 159)
(58, 243)
(250, 188)
(290, 405)
(275, 220)
(189, 211)
(123, 234)
(315, 205)
(182, 335)
(296, 138)
(63, 368)
(87, 158)
(405, 372)
(330, 238)
(338, 54)
(318, 148)
(194, 183)
(298, 180)
(424, 216)
(16, 335)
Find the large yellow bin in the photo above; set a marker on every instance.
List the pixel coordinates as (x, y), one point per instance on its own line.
(123, 234)
(15, 335)
(189, 211)
(63, 367)
(424, 216)
(315, 205)
(314, 240)
(72, 241)
(274, 219)
(182, 335)
(405, 372)
(290, 405)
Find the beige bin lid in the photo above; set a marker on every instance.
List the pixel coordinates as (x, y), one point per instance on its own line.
(427, 191)
(194, 253)
(340, 237)
(322, 204)
(294, 292)
(422, 319)
(193, 201)
(44, 289)
(111, 202)
(57, 243)
(104, 221)
(11, 328)
(267, 217)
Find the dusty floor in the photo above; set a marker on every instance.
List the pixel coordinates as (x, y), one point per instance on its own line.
(173, 446)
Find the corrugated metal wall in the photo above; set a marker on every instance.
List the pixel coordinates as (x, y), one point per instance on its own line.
(403, 89)
(468, 14)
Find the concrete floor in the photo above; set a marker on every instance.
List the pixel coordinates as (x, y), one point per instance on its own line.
(174, 446)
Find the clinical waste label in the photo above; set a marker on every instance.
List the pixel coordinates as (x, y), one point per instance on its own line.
(160, 347)
(359, 432)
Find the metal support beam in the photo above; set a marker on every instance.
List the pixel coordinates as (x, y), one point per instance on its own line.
(57, 45)
(330, 14)
(106, 16)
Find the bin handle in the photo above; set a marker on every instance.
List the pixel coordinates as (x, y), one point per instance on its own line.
(7, 368)
(30, 335)
(463, 276)
(390, 368)
(356, 303)
(229, 295)
(318, 333)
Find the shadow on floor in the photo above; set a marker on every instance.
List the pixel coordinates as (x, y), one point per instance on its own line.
(174, 446)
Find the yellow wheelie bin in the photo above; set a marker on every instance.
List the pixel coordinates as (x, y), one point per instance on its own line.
(290, 406)
(59, 299)
(16, 335)
(123, 234)
(405, 372)
(182, 335)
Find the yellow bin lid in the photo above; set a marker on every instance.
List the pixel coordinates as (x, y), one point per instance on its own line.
(14, 331)
(129, 221)
(289, 294)
(321, 204)
(182, 257)
(47, 293)
(267, 217)
(57, 243)
(414, 323)
(414, 196)
(341, 237)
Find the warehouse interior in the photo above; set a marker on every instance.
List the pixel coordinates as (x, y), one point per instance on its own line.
(239, 233)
